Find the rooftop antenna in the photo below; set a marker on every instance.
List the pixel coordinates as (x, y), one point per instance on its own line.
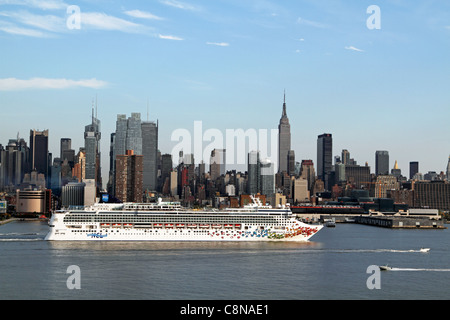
(92, 111)
(96, 118)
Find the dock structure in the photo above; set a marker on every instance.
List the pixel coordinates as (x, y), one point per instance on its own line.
(410, 222)
(410, 219)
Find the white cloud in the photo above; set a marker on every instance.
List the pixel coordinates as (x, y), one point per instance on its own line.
(353, 49)
(53, 23)
(41, 4)
(142, 15)
(103, 21)
(220, 44)
(180, 5)
(47, 22)
(13, 29)
(169, 37)
(12, 84)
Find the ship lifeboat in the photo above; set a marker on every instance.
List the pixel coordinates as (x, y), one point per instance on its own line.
(180, 225)
(217, 226)
(228, 226)
(204, 226)
(168, 225)
(157, 225)
(116, 225)
(237, 226)
(192, 226)
(105, 225)
(127, 225)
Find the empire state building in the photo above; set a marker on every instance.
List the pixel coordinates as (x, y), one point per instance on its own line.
(284, 140)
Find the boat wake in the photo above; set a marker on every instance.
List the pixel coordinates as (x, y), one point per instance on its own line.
(423, 250)
(380, 250)
(10, 237)
(20, 239)
(417, 269)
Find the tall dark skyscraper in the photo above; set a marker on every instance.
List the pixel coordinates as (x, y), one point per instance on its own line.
(254, 173)
(413, 168)
(150, 152)
(66, 144)
(92, 138)
(381, 162)
(291, 162)
(324, 158)
(39, 152)
(284, 139)
(14, 162)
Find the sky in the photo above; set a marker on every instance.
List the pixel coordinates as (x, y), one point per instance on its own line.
(374, 79)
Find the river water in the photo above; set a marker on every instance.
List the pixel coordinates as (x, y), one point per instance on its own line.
(334, 265)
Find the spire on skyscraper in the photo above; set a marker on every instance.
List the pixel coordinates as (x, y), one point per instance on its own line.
(284, 114)
(284, 139)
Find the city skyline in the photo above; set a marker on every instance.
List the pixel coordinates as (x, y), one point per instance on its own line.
(227, 64)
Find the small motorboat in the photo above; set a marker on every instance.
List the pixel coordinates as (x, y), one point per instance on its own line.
(385, 268)
(425, 250)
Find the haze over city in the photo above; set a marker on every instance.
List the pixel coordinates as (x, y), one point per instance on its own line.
(227, 64)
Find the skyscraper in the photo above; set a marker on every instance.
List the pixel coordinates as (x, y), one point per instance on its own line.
(166, 169)
(129, 177)
(413, 168)
(284, 139)
(150, 152)
(291, 162)
(345, 156)
(66, 144)
(92, 138)
(267, 180)
(128, 136)
(307, 172)
(254, 174)
(324, 158)
(13, 162)
(39, 152)
(134, 134)
(381, 162)
(217, 163)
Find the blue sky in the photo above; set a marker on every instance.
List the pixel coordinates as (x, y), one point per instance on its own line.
(227, 63)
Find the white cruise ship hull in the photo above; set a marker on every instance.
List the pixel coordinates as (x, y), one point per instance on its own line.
(180, 235)
(174, 225)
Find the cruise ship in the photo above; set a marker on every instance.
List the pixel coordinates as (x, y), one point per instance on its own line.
(168, 221)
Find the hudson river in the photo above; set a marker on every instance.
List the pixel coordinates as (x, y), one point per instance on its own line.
(335, 265)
